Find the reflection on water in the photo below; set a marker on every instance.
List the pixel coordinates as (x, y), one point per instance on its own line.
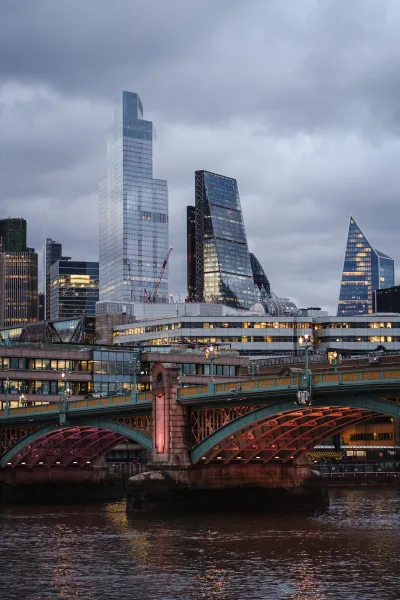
(350, 551)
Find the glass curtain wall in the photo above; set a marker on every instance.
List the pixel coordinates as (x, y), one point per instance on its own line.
(365, 270)
(133, 211)
(223, 268)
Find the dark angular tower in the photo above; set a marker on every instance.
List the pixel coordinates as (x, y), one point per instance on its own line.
(191, 252)
(223, 268)
(259, 276)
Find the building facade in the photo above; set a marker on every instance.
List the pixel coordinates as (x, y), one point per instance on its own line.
(74, 289)
(387, 300)
(35, 371)
(223, 267)
(52, 252)
(18, 275)
(253, 334)
(365, 270)
(18, 287)
(191, 252)
(133, 211)
(13, 231)
(259, 277)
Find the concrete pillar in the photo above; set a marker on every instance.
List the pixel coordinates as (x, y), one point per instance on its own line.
(170, 419)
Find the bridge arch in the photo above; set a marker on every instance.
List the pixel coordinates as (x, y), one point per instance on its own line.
(284, 431)
(117, 433)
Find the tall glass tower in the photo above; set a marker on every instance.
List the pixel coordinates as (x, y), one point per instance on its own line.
(365, 270)
(133, 210)
(223, 268)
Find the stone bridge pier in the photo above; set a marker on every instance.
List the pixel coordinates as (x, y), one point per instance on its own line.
(172, 480)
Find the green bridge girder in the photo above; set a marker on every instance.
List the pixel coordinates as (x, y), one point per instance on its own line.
(264, 413)
(129, 432)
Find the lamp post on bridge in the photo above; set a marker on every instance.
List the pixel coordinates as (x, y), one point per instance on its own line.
(253, 370)
(6, 385)
(335, 360)
(64, 399)
(135, 366)
(212, 353)
(304, 392)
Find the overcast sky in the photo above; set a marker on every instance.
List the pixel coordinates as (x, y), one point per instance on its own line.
(299, 100)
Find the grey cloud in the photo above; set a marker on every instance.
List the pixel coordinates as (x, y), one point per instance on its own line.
(297, 100)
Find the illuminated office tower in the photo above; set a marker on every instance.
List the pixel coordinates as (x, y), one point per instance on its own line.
(74, 289)
(223, 267)
(365, 270)
(18, 275)
(133, 241)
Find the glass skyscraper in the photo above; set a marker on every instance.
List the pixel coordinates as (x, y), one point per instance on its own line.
(365, 270)
(133, 210)
(223, 268)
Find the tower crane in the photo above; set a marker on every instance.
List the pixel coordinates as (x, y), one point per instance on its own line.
(158, 282)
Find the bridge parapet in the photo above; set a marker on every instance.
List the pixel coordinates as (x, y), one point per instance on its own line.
(272, 385)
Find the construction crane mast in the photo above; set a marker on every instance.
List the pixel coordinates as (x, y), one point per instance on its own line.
(158, 282)
(130, 278)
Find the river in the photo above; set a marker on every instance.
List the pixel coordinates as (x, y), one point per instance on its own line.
(350, 551)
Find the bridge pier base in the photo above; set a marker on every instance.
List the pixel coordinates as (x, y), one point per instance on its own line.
(227, 487)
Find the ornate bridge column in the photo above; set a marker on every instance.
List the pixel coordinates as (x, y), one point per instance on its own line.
(170, 419)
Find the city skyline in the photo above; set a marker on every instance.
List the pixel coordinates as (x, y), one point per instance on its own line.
(304, 157)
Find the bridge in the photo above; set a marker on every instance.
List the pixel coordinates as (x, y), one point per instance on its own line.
(236, 429)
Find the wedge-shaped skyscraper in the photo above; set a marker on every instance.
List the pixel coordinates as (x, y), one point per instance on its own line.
(223, 270)
(133, 210)
(365, 270)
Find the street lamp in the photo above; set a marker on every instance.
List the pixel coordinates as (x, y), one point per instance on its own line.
(67, 390)
(253, 370)
(335, 359)
(135, 366)
(62, 417)
(6, 385)
(22, 399)
(212, 353)
(304, 391)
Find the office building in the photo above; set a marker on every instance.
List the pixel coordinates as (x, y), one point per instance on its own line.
(18, 275)
(35, 371)
(74, 289)
(191, 252)
(259, 277)
(387, 300)
(18, 287)
(253, 334)
(13, 231)
(52, 252)
(133, 211)
(365, 270)
(223, 267)
(41, 307)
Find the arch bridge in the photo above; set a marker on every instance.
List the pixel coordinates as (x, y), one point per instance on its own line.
(254, 421)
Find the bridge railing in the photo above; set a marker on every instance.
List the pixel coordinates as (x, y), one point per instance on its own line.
(52, 407)
(291, 381)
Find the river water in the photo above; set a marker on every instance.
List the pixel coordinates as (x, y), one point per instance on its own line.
(350, 551)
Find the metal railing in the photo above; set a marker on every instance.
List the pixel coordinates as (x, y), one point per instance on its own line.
(278, 383)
